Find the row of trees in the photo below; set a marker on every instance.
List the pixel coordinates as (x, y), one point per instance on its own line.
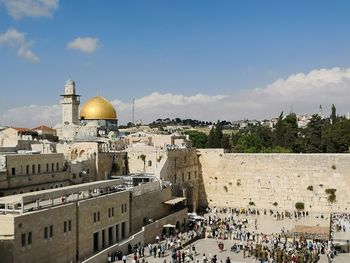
(330, 135)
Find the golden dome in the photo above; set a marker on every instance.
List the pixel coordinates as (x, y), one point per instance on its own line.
(98, 108)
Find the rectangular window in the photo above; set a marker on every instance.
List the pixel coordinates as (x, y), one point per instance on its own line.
(29, 238)
(27, 169)
(51, 231)
(183, 177)
(98, 216)
(13, 171)
(95, 217)
(123, 230)
(125, 208)
(23, 240)
(112, 211)
(95, 237)
(52, 167)
(109, 212)
(47, 167)
(65, 226)
(110, 235)
(57, 166)
(45, 232)
(189, 175)
(122, 208)
(116, 233)
(39, 168)
(69, 225)
(33, 169)
(103, 238)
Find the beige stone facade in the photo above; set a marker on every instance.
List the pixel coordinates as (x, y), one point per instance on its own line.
(20, 173)
(149, 207)
(179, 166)
(235, 180)
(42, 227)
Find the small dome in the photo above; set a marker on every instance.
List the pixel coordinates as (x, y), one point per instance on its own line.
(98, 108)
(70, 82)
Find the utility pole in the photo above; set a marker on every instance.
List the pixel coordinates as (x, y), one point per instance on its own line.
(133, 111)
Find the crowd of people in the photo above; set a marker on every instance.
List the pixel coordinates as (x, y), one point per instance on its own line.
(340, 223)
(244, 237)
(268, 247)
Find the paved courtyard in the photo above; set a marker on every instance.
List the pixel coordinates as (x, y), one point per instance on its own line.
(266, 224)
(209, 247)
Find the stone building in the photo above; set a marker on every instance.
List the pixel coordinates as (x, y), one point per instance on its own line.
(81, 222)
(178, 165)
(97, 119)
(21, 173)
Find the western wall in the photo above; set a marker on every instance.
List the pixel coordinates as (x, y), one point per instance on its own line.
(274, 181)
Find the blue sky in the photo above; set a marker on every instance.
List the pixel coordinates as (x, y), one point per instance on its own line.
(180, 48)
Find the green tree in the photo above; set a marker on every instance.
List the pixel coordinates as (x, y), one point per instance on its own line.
(336, 138)
(249, 143)
(333, 116)
(290, 137)
(265, 134)
(279, 131)
(313, 135)
(199, 139)
(218, 134)
(210, 142)
(225, 141)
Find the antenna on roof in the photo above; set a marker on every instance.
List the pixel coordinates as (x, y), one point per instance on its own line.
(133, 111)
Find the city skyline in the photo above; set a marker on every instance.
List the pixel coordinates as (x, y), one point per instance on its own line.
(237, 60)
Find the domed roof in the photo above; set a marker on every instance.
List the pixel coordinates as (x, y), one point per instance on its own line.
(70, 82)
(98, 108)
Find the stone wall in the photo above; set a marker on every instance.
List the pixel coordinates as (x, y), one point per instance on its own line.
(89, 224)
(61, 247)
(235, 180)
(179, 166)
(32, 172)
(145, 159)
(145, 236)
(182, 170)
(149, 206)
(110, 163)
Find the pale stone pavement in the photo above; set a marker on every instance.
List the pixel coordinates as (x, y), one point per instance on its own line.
(266, 224)
(209, 246)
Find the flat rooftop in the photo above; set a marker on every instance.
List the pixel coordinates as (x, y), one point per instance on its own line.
(25, 202)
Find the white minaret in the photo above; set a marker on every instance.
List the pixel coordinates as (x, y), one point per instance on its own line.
(70, 104)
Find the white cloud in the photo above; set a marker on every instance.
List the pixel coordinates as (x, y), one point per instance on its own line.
(85, 44)
(17, 39)
(31, 116)
(32, 8)
(304, 91)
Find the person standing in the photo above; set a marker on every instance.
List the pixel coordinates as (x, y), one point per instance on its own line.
(124, 258)
(205, 260)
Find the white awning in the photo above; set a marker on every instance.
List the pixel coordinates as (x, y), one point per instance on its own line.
(169, 226)
(175, 200)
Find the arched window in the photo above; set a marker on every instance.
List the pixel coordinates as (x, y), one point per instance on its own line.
(149, 163)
